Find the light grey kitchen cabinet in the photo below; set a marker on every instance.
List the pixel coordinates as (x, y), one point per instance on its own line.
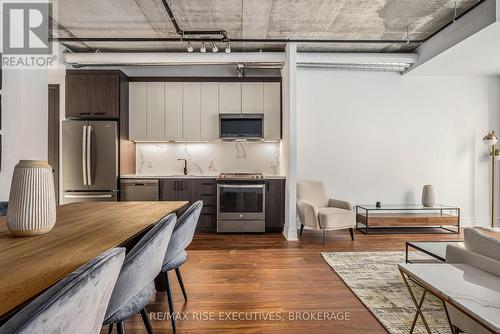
(137, 111)
(173, 110)
(272, 110)
(209, 111)
(230, 97)
(155, 111)
(191, 111)
(252, 97)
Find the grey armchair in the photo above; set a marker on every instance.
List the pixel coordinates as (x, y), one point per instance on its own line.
(134, 287)
(76, 304)
(320, 212)
(176, 253)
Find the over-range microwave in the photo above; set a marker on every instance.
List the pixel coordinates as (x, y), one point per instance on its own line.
(241, 126)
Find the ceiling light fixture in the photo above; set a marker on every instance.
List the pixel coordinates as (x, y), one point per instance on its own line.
(189, 47)
(215, 49)
(203, 47)
(228, 47)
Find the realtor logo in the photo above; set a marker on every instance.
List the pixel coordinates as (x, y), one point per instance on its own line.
(26, 28)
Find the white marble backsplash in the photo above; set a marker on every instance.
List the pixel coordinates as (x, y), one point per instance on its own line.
(208, 158)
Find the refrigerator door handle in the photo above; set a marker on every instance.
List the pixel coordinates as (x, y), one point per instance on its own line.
(89, 154)
(84, 155)
(89, 196)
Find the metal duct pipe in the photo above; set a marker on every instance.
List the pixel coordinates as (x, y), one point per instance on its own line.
(373, 67)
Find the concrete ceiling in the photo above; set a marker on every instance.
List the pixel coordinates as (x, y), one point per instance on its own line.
(304, 19)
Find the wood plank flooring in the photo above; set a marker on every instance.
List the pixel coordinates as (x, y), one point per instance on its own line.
(257, 274)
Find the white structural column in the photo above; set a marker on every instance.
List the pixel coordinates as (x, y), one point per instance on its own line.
(288, 156)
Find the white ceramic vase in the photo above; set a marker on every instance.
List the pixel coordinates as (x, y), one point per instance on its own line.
(428, 197)
(32, 202)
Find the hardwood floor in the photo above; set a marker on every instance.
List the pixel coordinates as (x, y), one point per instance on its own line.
(262, 274)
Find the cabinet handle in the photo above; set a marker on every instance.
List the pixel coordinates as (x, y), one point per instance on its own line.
(207, 194)
(99, 113)
(207, 214)
(267, 186)
(83, 113)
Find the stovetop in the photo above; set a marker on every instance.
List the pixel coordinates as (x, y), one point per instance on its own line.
(241, 176)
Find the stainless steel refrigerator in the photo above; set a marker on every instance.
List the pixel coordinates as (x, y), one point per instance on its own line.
(90, 161)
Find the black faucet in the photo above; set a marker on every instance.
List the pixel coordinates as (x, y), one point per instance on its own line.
(185, 166)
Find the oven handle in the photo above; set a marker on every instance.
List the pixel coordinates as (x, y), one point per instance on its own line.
(241, 186)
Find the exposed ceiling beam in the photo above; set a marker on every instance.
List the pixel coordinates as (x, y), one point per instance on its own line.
(167, 59)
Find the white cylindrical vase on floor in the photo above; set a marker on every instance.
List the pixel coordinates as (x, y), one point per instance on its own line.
(32, 201)
(428, 197)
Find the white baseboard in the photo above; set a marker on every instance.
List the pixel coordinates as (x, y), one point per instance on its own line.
(290, 234)
(478, 222)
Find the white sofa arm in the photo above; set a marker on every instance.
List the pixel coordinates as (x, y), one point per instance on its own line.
(336, 203)
(308, 214)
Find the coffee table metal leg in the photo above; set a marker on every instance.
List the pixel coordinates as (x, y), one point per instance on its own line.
(417, 304)
(416, 313)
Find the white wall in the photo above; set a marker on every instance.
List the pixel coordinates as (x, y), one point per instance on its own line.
(24, 121)
(381, 137)
(208, 158)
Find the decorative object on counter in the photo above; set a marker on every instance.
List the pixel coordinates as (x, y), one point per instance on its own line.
(428, 197)
(32, 201)
(491, 139)
(378, 204)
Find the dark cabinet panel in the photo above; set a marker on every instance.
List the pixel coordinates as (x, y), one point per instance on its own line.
(93, 94)
(275, 204)
(193, 190)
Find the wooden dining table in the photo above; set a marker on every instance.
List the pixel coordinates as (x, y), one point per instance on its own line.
(30, 265)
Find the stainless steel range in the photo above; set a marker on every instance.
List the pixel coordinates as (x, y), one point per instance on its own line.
(241, 202)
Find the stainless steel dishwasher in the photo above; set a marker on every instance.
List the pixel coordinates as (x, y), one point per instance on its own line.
(139, 190)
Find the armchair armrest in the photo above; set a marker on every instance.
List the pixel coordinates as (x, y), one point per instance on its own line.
(336, 203)
(308, 214)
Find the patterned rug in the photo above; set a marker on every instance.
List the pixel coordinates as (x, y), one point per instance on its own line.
(375, 279)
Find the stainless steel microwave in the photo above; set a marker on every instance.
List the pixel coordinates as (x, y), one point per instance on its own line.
(241, 126)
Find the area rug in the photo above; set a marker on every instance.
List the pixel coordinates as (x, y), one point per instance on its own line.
(375, 279)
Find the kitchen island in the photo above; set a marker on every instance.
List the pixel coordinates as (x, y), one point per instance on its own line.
(30, 265)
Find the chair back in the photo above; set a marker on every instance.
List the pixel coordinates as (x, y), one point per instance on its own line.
(3, 208)
(183, 231)
(313, 192)
(142, 264)
(76, 304)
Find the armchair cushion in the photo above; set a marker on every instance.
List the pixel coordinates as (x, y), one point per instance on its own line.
(335, 218)
(482, 244)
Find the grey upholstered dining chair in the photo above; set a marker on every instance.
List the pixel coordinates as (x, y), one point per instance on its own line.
(176, 253)
(3, 208)
(135, 285)
(76, 304)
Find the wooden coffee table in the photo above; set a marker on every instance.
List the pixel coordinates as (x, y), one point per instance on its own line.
(370, 218)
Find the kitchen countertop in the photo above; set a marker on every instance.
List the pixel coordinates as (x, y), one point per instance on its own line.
(191, 176)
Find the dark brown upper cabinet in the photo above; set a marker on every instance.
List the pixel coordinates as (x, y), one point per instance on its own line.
(95, 94)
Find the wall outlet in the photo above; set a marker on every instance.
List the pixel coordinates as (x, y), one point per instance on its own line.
(150, 163)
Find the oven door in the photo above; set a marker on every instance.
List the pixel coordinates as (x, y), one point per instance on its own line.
(241, 201)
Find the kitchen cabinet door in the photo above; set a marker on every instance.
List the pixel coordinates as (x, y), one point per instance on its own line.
(173, 110)
(155, 97)
(252, 97)
(275, 204)
(230, 97)
(138, 111)
(191, 111)
(209, 111)
(272, 110)
(92, 95)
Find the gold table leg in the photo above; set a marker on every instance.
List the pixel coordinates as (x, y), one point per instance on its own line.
(417, 305)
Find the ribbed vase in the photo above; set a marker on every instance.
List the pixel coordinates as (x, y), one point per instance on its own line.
(32, 201)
